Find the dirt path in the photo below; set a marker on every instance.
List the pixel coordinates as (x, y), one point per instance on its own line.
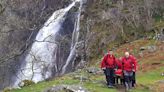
(120, 88)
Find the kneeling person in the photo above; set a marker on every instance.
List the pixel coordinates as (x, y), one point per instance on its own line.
(119, 72)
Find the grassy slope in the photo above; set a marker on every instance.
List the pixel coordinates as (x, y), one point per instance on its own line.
(147, 75)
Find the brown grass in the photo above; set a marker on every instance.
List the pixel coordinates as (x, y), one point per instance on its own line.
(149, 60)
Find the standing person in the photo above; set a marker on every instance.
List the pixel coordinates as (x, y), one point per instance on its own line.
(129, 65)
(108, 65)
(134, 72)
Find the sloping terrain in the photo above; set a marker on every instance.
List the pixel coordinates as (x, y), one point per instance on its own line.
(149, 75)
(105, 24)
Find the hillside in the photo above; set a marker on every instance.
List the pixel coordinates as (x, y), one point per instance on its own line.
(149, 74)
(78, 38)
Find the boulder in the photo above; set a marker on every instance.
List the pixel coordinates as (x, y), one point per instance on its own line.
(94, 70)
(162, 74)
(151, 48)
(80, 77)
(25, 83)
(142, 48)
(161, 81)
(66, 88)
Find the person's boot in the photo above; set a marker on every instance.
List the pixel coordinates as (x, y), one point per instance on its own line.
(126, 86)
(130, 85)
(110, 86)
(121, 81)
(133, 85)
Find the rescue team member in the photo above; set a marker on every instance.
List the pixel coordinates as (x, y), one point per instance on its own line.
(108, 65)
(129, 65)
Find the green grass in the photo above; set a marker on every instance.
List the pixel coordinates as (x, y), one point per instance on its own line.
(95, 87)
(150, 77)
(43, 85)
(141, 90)
(145, 79)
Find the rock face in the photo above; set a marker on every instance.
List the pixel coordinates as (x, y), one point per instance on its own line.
(20, 20)
(53, 52)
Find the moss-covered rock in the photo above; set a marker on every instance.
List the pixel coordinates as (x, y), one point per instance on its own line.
(26, 83)
(7, 90)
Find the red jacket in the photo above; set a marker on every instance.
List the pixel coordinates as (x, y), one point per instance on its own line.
(119, 72)
(129, 64)
(135, 61)
(119, 64)
(108, 61)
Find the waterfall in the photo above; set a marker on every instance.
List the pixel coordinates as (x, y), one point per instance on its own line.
(46, 57)
(75, 37)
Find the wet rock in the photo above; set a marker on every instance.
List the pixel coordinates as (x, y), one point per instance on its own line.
(66, 88)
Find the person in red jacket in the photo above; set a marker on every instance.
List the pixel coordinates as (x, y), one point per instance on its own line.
(119, 72)
(129, 65)
(108, 65)
(119, 63)
(134, 72)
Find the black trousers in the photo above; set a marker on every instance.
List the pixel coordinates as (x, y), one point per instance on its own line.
(109, 73)
(133, 79)
(121, 80)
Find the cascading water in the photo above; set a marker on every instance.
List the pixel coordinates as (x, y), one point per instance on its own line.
(75, 37)
(46, 56)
